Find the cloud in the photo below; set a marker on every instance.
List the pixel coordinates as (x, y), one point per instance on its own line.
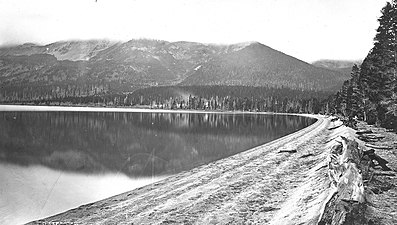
(309, 29)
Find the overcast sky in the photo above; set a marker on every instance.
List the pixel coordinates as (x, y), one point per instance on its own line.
(306, 29)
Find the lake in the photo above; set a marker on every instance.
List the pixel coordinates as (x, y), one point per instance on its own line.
(54, 161)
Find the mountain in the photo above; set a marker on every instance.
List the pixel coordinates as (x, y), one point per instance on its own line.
(84, 68)
(151, 62)
(342, 66)
(65, 50)
(255, 64)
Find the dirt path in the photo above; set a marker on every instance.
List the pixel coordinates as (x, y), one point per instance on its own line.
(259, 186)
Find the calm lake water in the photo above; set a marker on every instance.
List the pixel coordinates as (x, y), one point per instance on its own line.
(54, 161)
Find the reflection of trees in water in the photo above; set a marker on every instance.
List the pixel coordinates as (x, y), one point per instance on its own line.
(137, 144)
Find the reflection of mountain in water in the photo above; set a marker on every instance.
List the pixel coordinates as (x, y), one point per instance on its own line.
(137, 144)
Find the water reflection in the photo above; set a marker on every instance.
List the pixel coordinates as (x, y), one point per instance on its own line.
(53, 161)
(136, 144)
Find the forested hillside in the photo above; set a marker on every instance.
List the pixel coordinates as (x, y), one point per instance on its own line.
(260, 65)
(371, 92)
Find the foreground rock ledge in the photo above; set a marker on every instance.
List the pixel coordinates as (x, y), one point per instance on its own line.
(264, 185)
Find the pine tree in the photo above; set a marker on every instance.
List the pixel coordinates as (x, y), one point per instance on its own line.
(343, 98)
(371, 92)
(391, 102)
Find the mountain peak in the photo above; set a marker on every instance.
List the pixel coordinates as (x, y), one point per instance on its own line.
(242, 45)
(247, 43)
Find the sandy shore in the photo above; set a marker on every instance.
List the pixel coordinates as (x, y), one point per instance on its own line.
(258, 186)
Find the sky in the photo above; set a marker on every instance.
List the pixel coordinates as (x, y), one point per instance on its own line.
(306, 29)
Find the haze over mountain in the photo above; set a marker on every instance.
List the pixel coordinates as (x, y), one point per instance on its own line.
(123, 67)
(342, 66)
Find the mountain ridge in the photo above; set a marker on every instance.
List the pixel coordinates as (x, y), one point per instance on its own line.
(63, 50)
(139, 63)
(264, 63)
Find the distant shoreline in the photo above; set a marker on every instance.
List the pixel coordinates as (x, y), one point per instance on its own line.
(31, 108)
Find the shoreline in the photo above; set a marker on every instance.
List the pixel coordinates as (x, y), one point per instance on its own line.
(190, 195)
(30, 108)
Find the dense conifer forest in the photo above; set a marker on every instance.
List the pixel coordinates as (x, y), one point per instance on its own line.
(222, 98)
(371, 92)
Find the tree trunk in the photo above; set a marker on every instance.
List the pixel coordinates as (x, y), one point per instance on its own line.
(347, 203)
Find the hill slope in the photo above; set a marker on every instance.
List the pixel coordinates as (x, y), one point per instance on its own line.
(259, 65)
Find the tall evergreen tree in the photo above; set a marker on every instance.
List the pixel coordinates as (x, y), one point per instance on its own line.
(359, 101)
(385, 64)
(391, 102)
(371, 93)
